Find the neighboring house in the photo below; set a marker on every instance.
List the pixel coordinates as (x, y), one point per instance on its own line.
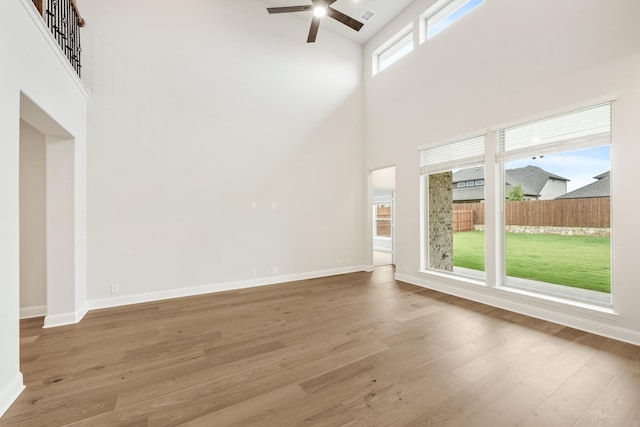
(468, 185)
(600, 188)
(537, 184)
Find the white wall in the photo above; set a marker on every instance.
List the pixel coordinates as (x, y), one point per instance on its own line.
(200, 109)
(509, 60)
(33, 253)
(31, 67)
(384, 179)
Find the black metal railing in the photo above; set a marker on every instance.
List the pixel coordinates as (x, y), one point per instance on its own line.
(64, 20)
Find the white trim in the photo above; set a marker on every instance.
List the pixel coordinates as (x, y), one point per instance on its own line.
(81, 312)
(217, 287)
(435, 9)
(560, 111)
(37, 19)
(10, 392)
(426, 15)
(31, 312)
(71, 318)
(389, 44)
(595, 320)
(53, 320)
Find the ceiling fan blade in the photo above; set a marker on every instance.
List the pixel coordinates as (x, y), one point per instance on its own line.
(287, 9)
(313, 31)
(346, 20)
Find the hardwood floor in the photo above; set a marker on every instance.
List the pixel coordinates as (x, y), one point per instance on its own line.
(351, 350)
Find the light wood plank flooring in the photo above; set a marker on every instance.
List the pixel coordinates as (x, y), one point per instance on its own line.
(352, 350)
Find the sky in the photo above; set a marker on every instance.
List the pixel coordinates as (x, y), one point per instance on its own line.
(578, 166)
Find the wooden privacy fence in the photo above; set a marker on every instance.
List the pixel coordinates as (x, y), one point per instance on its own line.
(462, 220)
(588, 212)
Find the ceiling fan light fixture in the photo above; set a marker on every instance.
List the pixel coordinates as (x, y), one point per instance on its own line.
(320, 10)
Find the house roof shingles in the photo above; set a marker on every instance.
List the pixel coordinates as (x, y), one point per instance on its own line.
(599, 188)
(532, 179)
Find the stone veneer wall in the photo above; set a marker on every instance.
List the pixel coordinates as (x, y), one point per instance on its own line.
(441, 221)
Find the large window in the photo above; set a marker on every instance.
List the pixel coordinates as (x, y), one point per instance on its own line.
(556, 225)
(393, 49)
(453, 175)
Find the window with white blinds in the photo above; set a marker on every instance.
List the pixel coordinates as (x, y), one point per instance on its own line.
(456, 154)
(580, 129)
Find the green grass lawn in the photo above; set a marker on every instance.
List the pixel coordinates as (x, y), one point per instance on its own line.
(578, 261)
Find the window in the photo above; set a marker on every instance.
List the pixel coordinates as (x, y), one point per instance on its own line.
(445, 13)
(454, 215)
(382, 220)
(393, 49)
(556, 225)
(479, 181)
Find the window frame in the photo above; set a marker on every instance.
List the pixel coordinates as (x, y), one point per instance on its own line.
(538, 145)
(465, 153)
(376, 218)
(392, 46)
(442, 6)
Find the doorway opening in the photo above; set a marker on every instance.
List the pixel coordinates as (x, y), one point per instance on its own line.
(383, 207)
(48, 182)
(33, 228)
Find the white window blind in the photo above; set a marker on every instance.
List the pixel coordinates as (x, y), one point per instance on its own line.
(454, 155)
(590, 127)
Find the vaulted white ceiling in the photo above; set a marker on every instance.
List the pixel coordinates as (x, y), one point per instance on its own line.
(385, 11)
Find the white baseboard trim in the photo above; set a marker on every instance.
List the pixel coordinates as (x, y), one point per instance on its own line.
(82, 311)
(10, 392)
(31, 312)
(574, 317)
(62, 319)
(218, 287)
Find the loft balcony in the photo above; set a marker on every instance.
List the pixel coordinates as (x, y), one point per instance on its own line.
(63, 19)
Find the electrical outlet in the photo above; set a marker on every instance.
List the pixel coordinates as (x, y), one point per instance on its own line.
(115, 288)
(273, 206)
(254, 273)
(254, 205)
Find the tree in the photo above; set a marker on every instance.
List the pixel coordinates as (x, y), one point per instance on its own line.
(516, 194)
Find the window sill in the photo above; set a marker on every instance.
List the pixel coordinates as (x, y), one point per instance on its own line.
(474, 280)
(603, 311)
